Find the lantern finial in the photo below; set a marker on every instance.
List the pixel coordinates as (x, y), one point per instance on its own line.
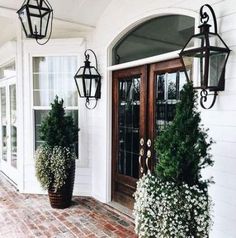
(205, 17)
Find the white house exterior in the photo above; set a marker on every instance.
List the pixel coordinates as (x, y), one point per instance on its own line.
(99, 26)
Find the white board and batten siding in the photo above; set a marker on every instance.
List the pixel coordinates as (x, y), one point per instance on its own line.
(118, 18)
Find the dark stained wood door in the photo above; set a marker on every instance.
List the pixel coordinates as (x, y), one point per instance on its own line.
(128, 118)
(143, 102)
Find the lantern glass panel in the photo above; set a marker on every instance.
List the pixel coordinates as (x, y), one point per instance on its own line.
(80, 71)
(199, 40)
(94, 71)
(45, 20)
(24, 20)
(87, 82)
(87, 71)
(45, 5)
(34, 11)
(217, 62)
(79, 83)
(93, 87)
(33, 2)
(36, 22)
(195, 62)
(196, 41)
(216, 41)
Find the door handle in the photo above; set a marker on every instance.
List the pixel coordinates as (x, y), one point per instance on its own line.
(149, 143)
(141, 142)
(149, 154)
(141, 154)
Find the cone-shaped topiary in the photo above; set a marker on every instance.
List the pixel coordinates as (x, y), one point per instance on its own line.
(183, 148)
(57, 129)
(55, 158)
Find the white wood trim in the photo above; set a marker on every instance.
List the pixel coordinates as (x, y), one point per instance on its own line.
(6, 166)
(48, 108)
(55, 46)
(144, 61)
(20, 106)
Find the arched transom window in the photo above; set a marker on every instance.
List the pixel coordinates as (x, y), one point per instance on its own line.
(154, 37)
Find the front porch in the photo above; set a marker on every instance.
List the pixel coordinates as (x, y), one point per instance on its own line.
(24, 215)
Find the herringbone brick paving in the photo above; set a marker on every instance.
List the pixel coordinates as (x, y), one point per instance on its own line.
(26, 216)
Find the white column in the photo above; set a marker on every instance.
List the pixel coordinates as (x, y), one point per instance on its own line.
(20, 105)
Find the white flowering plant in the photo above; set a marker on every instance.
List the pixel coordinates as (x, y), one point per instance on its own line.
(174, 200)
(164, 210)
(53, 165)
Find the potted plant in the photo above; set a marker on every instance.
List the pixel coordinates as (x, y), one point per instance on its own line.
(173, 201)
(55, 158)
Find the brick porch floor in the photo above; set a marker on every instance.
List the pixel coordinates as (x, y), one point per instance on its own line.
(24, 215)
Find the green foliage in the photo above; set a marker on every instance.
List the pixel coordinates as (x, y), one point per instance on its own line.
(55, 157)
(57, 129)
(52, 165)
(183, 147)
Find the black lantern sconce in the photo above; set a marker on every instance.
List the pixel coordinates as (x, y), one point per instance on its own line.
(207, 53)
(35, 17)
(88, 81)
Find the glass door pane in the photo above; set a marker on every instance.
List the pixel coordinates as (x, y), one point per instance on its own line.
(13, 125)
(3, 123)
(128, 121)
(168, 90)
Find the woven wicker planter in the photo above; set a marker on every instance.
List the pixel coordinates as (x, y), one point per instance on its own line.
(62, 198)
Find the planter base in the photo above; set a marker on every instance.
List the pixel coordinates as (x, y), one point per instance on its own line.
(62, 198)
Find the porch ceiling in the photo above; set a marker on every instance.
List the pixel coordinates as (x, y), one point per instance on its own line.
(79, 11)
(75, 17)
(8, 30)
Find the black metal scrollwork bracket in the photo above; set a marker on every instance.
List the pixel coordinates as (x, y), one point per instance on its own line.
(205, 17)
(203, 99)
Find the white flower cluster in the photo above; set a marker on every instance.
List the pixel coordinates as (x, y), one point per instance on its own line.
(165, 210)
(52, 165)
(61, 160)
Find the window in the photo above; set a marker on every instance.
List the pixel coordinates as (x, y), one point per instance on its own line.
(53, 75)
(157, 36)
(8, 70)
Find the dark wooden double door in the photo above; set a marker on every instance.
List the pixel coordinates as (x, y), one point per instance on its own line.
(143, 102)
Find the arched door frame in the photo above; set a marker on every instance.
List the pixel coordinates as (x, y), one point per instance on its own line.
(125, 29)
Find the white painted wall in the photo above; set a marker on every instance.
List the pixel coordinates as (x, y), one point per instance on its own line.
(118, 18)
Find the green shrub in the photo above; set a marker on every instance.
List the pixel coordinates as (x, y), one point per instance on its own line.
(57, 129)
(183, 147)
(56, 155)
